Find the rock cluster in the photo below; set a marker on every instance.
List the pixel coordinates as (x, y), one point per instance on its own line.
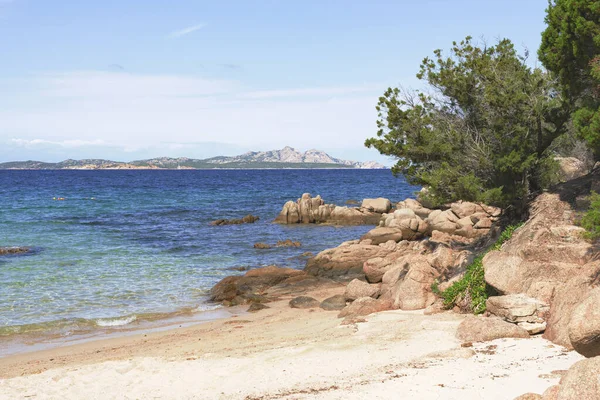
(311, 210)
(248, 219)
(528, 313)
(412, 221)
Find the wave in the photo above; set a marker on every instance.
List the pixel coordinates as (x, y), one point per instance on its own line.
(82, 326)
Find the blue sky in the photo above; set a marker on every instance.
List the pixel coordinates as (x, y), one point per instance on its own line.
(136, 79)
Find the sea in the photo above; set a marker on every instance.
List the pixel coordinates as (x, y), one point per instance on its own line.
(121, 249)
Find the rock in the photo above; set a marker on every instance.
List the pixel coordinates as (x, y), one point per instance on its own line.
(517, 308)
(529, 396)
(536, 260)
(581, 382)
(402, 224)
(412, 291)
(415, 206)
(379, 205)
(287, 243)
(533, 328)
(307, 210)
(255, 307)
(566, 297)
(304, 302)
(570, 168)
(345, 262)
(584, 325)
(248, 219)
(425, 198)
(336, 302)
(262, 246)
(13, 250)
(483, 329)
(251, 286)
(551, 393)
(374, 268)
(364, 306)
(382, 235)
(357, 289)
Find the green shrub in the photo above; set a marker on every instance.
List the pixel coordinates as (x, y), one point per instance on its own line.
(471, 291)
(591, 219)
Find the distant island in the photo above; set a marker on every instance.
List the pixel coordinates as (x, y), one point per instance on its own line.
(284, 158)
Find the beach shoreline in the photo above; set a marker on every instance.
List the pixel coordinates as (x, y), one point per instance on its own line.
(288, 353)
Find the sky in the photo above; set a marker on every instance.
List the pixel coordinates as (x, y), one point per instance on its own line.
(133, 79)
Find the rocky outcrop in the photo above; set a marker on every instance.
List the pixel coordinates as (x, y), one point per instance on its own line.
(345, 262)
(466, 219)
(309, 210)
(584, 325)
(262, 285)
(571, 168)
(483, 329)
(248, 219)
(402, 224)
(528, 313)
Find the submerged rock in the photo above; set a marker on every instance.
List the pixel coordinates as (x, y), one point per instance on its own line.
(248, 219)
(262, 246)
(13, 250)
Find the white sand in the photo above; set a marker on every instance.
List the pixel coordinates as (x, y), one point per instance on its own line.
(297, 354)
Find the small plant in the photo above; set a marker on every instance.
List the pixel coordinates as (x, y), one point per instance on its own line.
(471, 291)
(591, 219)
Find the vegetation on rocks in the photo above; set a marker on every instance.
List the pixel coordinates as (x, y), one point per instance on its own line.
(471, 291)
(591, 219)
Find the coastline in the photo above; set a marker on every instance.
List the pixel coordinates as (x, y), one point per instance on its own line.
(286, 353)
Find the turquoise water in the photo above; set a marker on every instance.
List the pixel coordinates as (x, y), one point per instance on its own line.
(128, 246)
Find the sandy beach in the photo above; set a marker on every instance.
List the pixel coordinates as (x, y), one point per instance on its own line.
(285, 353)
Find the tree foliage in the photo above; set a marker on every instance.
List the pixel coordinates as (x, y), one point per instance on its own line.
(481, 130)
(571, 49)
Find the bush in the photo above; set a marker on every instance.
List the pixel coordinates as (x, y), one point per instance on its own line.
(591, 219)
(471, 291)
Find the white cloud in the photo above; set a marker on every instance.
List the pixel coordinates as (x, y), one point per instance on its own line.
(62, 143)
(76, 110)
(186, 31)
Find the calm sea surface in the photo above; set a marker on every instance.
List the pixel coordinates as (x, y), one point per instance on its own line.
(129, 245)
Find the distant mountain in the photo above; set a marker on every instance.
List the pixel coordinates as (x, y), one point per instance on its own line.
(284, 158)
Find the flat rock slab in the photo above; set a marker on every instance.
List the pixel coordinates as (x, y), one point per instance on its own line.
(483, 329)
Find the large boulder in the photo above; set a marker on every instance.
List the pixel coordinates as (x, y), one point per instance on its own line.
(412, 290)
(566, 298)
(517, 308)
(581, 382)
(307, 210)
(584, 326)
(357, 289)
(379, 205)
(332, 303)
(345, 262)
(570, 168)
(483, 329)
